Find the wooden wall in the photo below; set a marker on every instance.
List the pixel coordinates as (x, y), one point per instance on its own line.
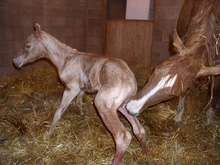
(129, 40)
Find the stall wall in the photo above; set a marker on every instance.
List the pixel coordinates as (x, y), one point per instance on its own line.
(129, 40)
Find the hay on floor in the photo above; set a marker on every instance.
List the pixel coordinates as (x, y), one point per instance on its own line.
(29, 100)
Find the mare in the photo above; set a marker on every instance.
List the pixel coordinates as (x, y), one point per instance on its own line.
(212, 54)
(196, 56)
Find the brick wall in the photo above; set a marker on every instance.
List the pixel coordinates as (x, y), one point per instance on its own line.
(116, 9)
(95, 25)
(77, 23)
(166, 14)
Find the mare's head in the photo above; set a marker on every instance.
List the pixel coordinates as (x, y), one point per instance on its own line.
(32, 49)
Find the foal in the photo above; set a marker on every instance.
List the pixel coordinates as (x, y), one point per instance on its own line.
(85, 72)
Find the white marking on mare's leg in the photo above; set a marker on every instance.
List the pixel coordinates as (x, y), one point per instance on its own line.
(134, 106)
(180, 109)
(210, 116)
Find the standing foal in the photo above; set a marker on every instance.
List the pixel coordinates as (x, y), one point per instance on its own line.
(84, 72)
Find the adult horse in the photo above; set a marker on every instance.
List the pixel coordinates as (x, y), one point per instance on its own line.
(197, 50)
(212, 54)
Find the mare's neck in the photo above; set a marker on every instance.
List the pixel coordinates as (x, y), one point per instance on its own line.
(57, 52)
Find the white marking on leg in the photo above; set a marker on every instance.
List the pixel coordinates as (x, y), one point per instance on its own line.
(180, 110)
(134, 106)
(210, 116)
(123, 139)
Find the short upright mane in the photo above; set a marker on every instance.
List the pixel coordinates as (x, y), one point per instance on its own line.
(60, 43)
(199, 22)
(203, 25)
(204, 29)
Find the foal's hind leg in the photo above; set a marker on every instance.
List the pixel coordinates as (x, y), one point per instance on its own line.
(79, 101)
(120, 135)
(138, 130)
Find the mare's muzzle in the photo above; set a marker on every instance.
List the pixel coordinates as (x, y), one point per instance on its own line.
(130, 113)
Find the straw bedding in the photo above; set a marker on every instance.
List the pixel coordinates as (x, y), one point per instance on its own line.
(29, 100)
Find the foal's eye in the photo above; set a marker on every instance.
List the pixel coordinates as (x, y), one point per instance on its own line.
(27, 46)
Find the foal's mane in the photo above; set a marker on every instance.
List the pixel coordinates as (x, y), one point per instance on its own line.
(59, 43)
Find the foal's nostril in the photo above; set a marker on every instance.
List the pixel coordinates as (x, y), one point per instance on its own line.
(15, 61)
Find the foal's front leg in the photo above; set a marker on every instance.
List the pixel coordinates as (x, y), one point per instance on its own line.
(79, 101)
(68, 96)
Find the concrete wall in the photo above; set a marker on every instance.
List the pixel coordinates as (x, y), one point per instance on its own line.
(166, 13)
(77, 23)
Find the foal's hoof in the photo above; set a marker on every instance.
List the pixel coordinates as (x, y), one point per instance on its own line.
(209, 126)
(46, 136)
(144, 149)
(145, 152)
(177, 124)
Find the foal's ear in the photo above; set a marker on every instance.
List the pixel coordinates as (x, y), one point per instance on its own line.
(37, 30)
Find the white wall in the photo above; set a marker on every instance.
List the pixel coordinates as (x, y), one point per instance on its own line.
(137, 9)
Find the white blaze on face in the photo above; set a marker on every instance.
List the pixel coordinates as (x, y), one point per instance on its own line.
(134, 106)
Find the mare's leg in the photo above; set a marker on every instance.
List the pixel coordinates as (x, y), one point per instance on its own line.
(138, 130)
(79, 101)
(180, 109)
(68, 96)
(108, 111)
(210, 114)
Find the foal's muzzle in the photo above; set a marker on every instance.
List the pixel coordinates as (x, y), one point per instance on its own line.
(17, 63)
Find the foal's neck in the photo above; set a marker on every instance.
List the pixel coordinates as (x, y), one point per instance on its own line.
(58, 52)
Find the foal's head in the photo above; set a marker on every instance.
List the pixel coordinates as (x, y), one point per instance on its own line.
(32, 49)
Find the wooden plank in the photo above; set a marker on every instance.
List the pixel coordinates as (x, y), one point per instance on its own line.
(129, 40)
